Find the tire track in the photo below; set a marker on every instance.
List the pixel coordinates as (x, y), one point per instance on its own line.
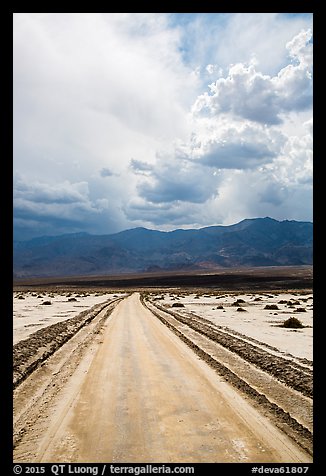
(30, 353)
(292, 374)
(300, 433)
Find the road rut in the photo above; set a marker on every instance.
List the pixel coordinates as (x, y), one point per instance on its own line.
(145, 396)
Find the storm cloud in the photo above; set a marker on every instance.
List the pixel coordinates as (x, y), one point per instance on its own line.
(120, 120)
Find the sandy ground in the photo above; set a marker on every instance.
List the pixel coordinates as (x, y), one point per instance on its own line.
(257, 322)
(30, 314)
(127, 389)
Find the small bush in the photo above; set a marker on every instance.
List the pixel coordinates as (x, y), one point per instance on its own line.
(240, 309)
(300, 309)
(72, 299)
(177, 304)
(282, 301)
(46, 303)
(257, 299)
(220, 307)
(292, 323)
(21, 297)
(271, 307)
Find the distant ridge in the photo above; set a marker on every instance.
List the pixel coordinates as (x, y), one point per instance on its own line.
(251, 242)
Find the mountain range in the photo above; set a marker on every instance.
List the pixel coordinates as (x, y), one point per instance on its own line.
(251, 242)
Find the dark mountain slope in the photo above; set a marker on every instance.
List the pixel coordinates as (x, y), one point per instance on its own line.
(252, 242)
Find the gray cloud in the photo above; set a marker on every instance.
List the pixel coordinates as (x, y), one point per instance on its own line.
(105, 172)
(175, 179)
(167, 216)
(58, 208)
(237, 155)
(140, 167)
(93, 90)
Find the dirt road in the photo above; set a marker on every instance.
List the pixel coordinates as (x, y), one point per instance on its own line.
(141, 395)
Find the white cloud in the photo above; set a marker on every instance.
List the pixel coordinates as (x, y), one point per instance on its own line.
(245, 137)
(85, 82)
(236, 145)
(249, 94)
(113, 127)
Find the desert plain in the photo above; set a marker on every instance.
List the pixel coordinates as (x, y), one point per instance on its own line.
(174, 374)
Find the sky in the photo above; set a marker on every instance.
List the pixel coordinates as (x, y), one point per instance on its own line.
(160, 120)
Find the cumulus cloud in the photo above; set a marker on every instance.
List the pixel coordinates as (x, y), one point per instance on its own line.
(249, 94)
(294, 165)
(236, 145)
(240, 159)
(160, 120)
(176, 179)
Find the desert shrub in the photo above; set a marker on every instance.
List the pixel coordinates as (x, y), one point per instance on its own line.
(177, 304)
(240, 309)
(300, 309)
(72, 299)
(21, 297)
(292, 323)
(220, 307)
(46, 303)
(272, 307)
(282, 301)
(257, 299)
